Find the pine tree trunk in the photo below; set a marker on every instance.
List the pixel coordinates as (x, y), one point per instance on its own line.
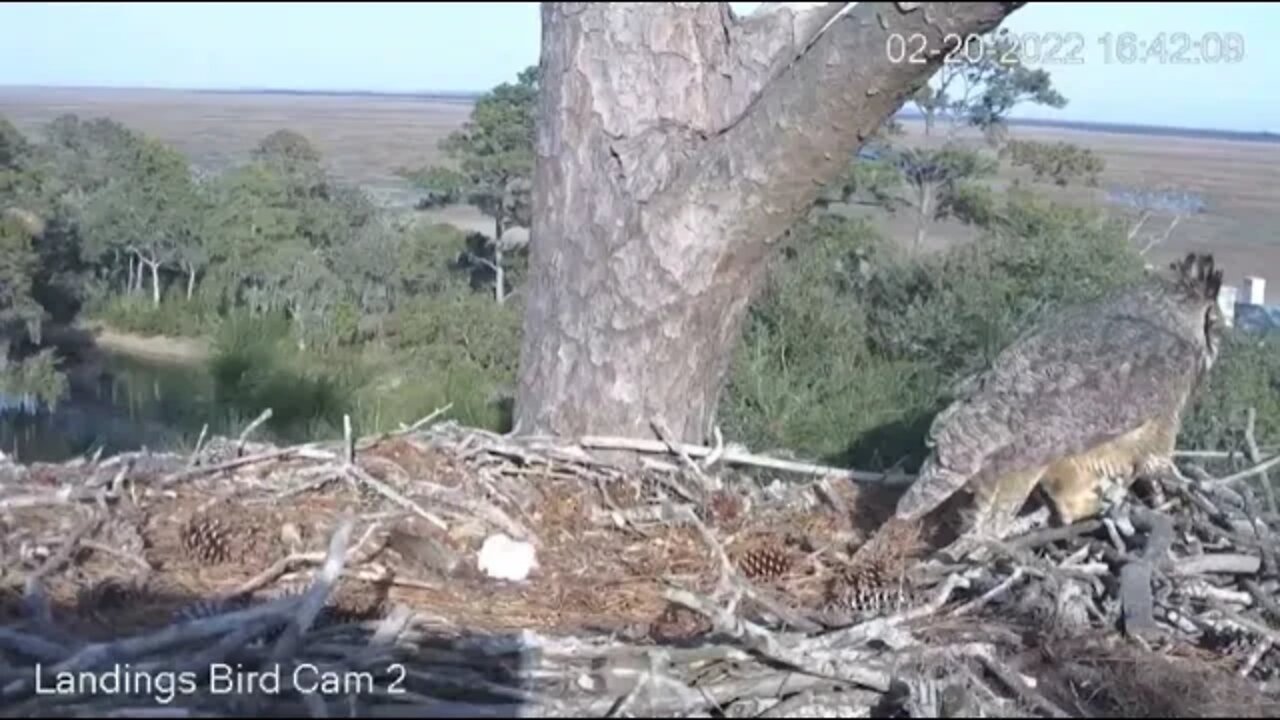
(675, 146)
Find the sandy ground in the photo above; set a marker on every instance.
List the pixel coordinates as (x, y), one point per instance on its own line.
(159, 348)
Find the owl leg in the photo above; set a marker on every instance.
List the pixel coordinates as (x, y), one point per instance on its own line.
(1072, 489)
(996, 505)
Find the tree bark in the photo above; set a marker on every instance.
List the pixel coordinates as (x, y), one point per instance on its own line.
(675, 145)
(155, 279)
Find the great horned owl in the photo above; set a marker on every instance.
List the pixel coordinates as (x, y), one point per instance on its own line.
(1092, 396)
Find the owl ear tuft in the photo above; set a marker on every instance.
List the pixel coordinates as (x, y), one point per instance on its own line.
(1197, 276)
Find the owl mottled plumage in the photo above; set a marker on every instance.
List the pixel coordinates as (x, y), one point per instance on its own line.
(1094, 393)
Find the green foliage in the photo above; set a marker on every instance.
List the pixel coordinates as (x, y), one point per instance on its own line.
(36, 375)
(493, 153)
(14, 147)
(254, 367)
(1247, 375)
(175, 317)
(1061, 162)
(804, 377)
(440, 185)
(959, 308)
(851, 347)
(149, 211)
(19, 313)
(984, 80)
(941, 183)
(870, 182)
(290, 153)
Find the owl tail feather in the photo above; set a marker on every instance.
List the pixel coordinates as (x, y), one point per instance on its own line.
(932, 487)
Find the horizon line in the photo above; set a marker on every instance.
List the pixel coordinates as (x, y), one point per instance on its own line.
(904, 113)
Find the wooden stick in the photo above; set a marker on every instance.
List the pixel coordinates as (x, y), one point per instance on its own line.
(1247, 473)
(191, 462)
(265, 416)
(739, 458)
(1135, 577)
(1251, 444)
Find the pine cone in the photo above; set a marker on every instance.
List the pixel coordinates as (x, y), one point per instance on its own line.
(865, 591)
(764, 563)
(722, 509)
(207, 539)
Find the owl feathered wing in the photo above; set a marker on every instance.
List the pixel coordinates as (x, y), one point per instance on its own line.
(1054, 393)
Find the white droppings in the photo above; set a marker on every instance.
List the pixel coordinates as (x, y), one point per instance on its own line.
(502, 558)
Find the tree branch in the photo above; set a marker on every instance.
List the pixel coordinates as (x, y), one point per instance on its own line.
(760, 173)
(777, 33)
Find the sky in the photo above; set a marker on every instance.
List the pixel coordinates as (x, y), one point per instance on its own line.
(408, 47)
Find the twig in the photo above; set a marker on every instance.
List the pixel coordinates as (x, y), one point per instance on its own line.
(728, 574)
(986, 598)
(1135, 577)
(265, 416)
(723, 621)
(68, 546)
(1246, 622)
(1251, 444)
(39, 648)
(1264, 600)
(1247, 473)
(98, 654)
(366, 443)
(360, 475)
(1213, 563)
(236, 463)
(616, 513)
(624, 702)
(664, 434)
(1256, 656)
(1015, 683)
(114, 552)
(272, 573)
(191, 462)
(739, 458)
(717, 452)
(314, 599)
(1046, 536)
(1207, 454)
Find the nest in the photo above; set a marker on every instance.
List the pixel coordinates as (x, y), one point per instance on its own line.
(342, 578)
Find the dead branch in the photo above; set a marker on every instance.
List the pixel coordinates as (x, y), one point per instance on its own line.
(1255, 457)
(264, 416)
(735, 457)
(1135, 576)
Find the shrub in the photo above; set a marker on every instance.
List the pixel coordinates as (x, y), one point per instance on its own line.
(852, 347)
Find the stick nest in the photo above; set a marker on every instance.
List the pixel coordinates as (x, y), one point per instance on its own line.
(342, 578)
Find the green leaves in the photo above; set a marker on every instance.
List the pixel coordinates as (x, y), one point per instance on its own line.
(983, 84)
(1061, 162)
